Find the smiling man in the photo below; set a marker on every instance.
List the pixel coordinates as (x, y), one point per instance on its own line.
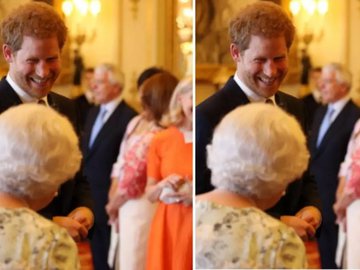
(33, 35)
(261, 35)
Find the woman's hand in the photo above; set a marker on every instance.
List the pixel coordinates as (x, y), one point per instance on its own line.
(112, 207)
(182, 195)
(344, 200)
(155, 188)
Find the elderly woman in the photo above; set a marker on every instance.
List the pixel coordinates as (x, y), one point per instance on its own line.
(38, 152)
(170, 184)
(128, 207)
(256, 151)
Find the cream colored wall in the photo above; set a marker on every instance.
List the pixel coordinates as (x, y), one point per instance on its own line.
(104, 48)
(140, 40)
(354, 43)
(133, 41)
(341, 40)
(332, 46)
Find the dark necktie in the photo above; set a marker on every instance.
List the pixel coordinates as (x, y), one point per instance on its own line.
(41, 102)
(269, 101)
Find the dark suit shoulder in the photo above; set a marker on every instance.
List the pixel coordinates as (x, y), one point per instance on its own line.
(222, 102)
(126, 110)
(8, 96)
(63, 105)
(128, 107)
(293, 106)
(352, 112)
(290, 99)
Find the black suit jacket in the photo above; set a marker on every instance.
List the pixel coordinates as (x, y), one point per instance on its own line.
(326, 159)
(311, 105)
(75, 192)
(98, 159)
(325, 165)
(302, 192)
(83, 106)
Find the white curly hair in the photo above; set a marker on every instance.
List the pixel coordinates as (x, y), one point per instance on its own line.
(256, 151)
(38, 151)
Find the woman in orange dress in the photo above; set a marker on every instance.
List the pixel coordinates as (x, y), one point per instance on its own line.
(170, 183)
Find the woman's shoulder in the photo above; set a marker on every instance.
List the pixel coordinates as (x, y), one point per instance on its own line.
(167, 133)
(240, 221)
(26, 228)
(222, 230)
(27, 221)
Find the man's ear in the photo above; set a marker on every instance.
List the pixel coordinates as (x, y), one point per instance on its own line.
(235, 52)
(8, 53)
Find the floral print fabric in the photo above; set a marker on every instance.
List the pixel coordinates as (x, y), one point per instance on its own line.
(232, 238)
(130, 168)
(30, 241)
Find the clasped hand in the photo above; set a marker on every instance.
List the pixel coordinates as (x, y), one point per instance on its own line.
(305, 222)
(179, 189)
(77, 223)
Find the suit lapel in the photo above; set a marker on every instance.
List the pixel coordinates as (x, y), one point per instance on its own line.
(88, 128)
(8, 96)
(334, 127)
(106, 128)
(234, 94)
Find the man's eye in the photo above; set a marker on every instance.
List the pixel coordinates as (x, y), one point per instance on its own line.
(31, 61)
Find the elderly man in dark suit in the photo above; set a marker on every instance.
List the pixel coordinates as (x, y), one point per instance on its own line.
(33, 36)
(261, 35)
(332, 128)
(103, 133)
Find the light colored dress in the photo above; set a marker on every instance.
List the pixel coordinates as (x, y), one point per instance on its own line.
(350, 170)
(170, 242)
(228, 237)
(29, 241)
(136, 214)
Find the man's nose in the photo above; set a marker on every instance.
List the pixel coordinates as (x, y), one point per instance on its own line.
(270, 68)
(42, 69)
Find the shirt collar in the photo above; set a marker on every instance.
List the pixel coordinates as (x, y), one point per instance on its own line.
(25, 97)
(111, 106)
(338, 105)
(251, 95)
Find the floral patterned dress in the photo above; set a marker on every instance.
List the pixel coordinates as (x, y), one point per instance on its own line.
(350, 170)
(136, 214)
(29, 241)
(228, 237)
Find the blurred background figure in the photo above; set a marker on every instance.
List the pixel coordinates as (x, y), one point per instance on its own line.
(128, 208)
(306, 67)
(85, 101)
(146, 74)
(33, 165)
(103, 133)
(251, 167)
(331, 131)
(79, 67)
(169, 172)
(312, 100)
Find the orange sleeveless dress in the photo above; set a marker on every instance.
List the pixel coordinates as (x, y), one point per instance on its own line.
(170, 241)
